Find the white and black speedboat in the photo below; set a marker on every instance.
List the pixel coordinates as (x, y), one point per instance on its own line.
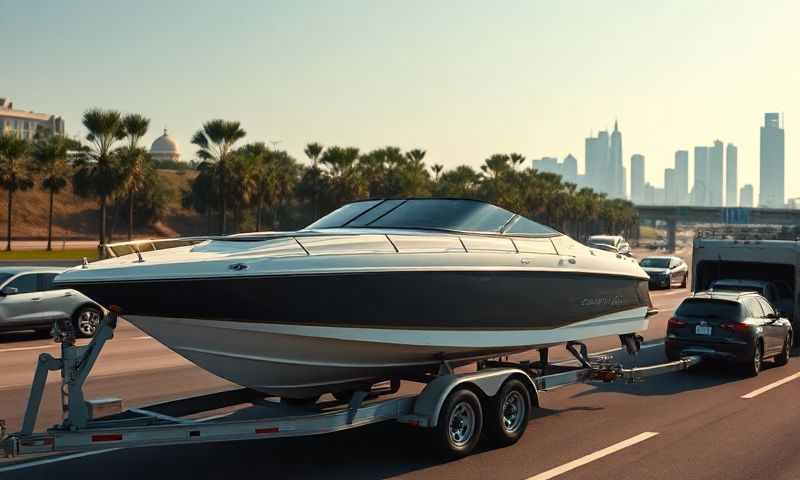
(378, 289)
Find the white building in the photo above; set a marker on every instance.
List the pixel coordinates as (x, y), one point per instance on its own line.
(24, 124)
(165, 148)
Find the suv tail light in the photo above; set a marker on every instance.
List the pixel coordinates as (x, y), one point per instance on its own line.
(737, 327)
(675, 323)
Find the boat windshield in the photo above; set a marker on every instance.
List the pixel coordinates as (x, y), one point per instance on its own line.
(430, 213)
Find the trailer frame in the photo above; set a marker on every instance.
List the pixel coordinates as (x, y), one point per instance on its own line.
(87, 425)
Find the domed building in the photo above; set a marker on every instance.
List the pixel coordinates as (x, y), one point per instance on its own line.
(165, 148)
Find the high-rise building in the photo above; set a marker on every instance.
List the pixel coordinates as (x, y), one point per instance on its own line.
(25, 124)
(569, 169)
(597, 162)
(682, 177)
(746, 196)
(715, 172)
(772, 163)
(616, 172)
(547, 165)
(637, 179)
(700, 189)
(670, 187)
(731, 176)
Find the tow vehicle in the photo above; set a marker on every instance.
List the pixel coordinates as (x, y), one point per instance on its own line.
(496, 399)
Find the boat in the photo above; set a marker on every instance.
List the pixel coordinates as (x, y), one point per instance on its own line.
(379, 289)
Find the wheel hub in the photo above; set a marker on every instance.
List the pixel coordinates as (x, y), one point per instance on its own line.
(513, 408)
(462, 424)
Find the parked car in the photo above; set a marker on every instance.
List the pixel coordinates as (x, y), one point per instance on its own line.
(738, 327)
(28, 301)
(610, 243)
(665, 271)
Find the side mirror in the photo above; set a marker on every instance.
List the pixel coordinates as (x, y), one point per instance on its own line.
(10, 291)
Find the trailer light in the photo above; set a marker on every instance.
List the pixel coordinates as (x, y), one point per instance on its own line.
(268, 430)
(107, 437)
(675, 322)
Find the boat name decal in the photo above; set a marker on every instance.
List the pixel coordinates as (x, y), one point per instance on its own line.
(602, 301)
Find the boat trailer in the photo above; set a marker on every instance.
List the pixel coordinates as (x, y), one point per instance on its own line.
(102, 424)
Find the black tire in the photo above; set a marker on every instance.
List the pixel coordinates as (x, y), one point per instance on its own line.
(508, 413)
(86, 321)
(753, 367)
(783, 357)
(684, 282)
(460, 424)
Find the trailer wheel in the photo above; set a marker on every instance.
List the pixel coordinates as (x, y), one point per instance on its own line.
(508, 413)
(460, 423)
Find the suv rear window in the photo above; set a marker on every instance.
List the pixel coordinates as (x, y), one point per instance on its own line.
(709, 308)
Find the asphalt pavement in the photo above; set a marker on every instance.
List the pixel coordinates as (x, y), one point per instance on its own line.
(710, 423)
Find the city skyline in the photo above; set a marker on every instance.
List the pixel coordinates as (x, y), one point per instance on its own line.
(530, 77)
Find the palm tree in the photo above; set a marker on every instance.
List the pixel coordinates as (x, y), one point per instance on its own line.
(134, 160)
(216, 141)
(100, 176)
(437, 171)
(50, 154)
(14, 173)
(313, 151)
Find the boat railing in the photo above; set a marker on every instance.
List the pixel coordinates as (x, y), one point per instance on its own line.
(119, 249)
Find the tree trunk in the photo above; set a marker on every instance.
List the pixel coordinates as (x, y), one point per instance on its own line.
(114, 218)
(50, 223)
(8, 220)
(258, 214)
(102, 219)
(208, 220)
(130, 215)
(222, 198)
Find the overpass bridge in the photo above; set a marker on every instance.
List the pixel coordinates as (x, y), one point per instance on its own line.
(674, 215)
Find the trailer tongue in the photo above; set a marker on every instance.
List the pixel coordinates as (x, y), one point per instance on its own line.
(451, 403)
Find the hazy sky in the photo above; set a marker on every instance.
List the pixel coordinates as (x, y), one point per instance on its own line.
(459, 79)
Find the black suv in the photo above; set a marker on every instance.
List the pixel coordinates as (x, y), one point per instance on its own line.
(740, 327)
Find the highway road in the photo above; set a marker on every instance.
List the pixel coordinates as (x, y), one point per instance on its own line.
(708, 424)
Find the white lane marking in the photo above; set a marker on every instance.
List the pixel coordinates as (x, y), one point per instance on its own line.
(769, 387)
(36, 463)
(44, 347)
(554, 472)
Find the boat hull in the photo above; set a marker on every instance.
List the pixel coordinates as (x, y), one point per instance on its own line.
(300, 361)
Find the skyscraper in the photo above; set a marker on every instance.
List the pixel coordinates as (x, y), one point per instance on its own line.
(682, 177)
(670, 187)
(700, 188)
(731, 176)
(637, 179)
(772, 164)
(746, 196)
(569, 169)
(597, 162)
(616, 173)
(714, 178)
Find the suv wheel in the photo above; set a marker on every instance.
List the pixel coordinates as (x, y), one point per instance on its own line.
(754, 365)
(783, 357)
(86, 321)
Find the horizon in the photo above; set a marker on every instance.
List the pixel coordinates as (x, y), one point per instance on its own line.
(493, 80)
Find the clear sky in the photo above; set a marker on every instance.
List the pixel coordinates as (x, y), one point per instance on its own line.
(460, 79)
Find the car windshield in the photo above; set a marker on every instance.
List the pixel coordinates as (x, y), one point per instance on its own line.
(709, 308)
(430, 213)
(654, 263)
(5, 276)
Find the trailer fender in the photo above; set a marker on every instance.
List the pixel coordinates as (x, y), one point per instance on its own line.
(429, 403)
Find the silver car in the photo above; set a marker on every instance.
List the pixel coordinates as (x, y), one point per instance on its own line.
(29, 302)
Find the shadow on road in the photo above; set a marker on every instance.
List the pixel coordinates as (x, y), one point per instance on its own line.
(22, 336)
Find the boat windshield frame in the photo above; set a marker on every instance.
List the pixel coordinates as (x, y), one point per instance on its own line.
(503, 230)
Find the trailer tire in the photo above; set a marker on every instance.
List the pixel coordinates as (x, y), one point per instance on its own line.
(508, 413)
(460, 424)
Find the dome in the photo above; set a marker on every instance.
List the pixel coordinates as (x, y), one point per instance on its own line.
(165, 147)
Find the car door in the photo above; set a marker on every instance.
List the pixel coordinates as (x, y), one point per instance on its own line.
(773, 331)
(21, 309)
(54, 304)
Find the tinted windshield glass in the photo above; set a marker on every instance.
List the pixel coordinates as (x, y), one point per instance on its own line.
(5, 276)
(602, 241)
(341, 216)
(703, 308)
(655, 263)
(446, 214)
(525, 226)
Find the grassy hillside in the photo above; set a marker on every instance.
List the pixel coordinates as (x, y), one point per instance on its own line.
(77, 218)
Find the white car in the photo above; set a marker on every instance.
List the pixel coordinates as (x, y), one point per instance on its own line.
(28, 301)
